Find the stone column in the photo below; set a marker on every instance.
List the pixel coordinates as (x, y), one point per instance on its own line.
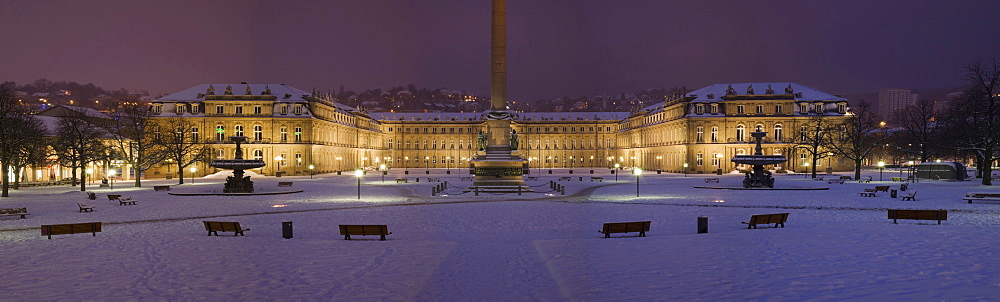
(498, 55)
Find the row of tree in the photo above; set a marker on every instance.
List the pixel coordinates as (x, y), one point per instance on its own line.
(969, 127)
(129, 135)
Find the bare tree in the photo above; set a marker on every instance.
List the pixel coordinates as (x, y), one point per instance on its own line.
(973, 121)
(920, 129)
(859, 135)
(180, 145)
(34, 148)
(131, 130)
(15, 131)
(814, 141)
(77, 143)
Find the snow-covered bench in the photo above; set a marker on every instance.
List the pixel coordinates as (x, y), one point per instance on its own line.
(881, 188)
(73, 228)
(597, 178)
(776, 219)
(867, 179)
(911, 196)
(708, 180)
(402, 180)
(625, 227)
(284, 184)
(121, 201)
(982, 196)
(84, 207)
(364, 230)
(14, 212)
(214, 227)
(161, 188)
(565, 178)
(832, 181)
(918, 215)
(867, 193)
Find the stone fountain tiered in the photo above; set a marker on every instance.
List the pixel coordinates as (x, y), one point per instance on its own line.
(758, 178)
(238, 183)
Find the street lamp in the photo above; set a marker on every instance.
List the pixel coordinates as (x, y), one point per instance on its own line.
(881, 166)
(193, 169)
(339, 164)
(382, 168)
(447, 164)
(659, 163)
(111, 174)
(636, 172)
(616, 172)
(427, 169)
(277, 164)
(311, 167)
(805, 171)
(685, 169)
(90, 178)
(829, 167)
(358, 173)
(406, 169)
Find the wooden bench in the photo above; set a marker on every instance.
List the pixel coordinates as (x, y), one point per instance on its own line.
(881, 188)
(625, 227)
(402, 180)
(845, 177)
(867, 193)
(214, 227)
(865, 179)
(708, 180)
(121, 201)
(982, 196)
(776, 219)
(911, 196)
(73, 228)
(899, 179)
(14, 212)
(832, 181)
(565, 178)
(903, 186)
(597, 178)
(818, 178)
(84, 207)
(918, 215)
(161, 188)
(430, 179)
(284, 184)
(364, 230)
(532, 177)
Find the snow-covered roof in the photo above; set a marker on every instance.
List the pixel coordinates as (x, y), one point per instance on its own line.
(798, 91)
(91, 112)
(522, 116)
(197, 93)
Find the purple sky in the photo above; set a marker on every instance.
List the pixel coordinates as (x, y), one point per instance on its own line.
(555, 47)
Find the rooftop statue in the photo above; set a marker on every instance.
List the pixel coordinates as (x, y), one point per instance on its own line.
(267, 90)
(211, 90)
(789, 89)
(229, 90)
(730, 90)
(248, 90)
(750, 89)
(769, 90)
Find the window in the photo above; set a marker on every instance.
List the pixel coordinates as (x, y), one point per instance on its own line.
(195, 108)
(740, 133)
(699, 159)
(699, 109)
(842, 108)
(284, 160)
(298, 108)
(258, 133)
(219, 109)
(778, 109)
(194, 134)
(714, 108)
(715, 134)
(283, 108)
(239, 109)
(716, 157)
(740, 109)
(239, 130)
(219, 153)
(298, 159)
(157, 109)
(803, 160)
(779, 133)
(803, 108)
(179, 108)
(819, 107)
(257, 110)
(803, 131)
(258, 154)
(760, 109)
(298, 134)
(699, 134)
(220, 133)
(284, 134)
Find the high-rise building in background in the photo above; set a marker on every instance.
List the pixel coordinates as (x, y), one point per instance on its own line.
(892, 100)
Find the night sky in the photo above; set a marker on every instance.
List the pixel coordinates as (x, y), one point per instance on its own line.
(555, 47)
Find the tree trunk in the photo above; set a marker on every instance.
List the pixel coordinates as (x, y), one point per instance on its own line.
(72, 176)
(17, 178)
(813, 166)
(180, 174)
(138, 175)
(857, 169)
(5, 182)
(83, 180)
(986, 165)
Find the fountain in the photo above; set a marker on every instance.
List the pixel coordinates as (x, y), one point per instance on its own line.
(759, 177)
(238, 183)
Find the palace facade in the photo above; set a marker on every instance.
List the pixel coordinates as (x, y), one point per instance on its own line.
(300, 132)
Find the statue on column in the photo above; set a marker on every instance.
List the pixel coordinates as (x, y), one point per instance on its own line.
(513, 139)
(482, 140)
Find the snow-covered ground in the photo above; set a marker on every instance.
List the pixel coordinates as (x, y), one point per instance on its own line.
(539, 246)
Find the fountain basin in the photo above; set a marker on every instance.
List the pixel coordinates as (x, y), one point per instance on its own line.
(237, 164)
(759, 160)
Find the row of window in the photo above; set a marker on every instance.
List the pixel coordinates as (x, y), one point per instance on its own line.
(258, 133)
(778, 108)
(221, 109)
(526, 129)
(777, 135)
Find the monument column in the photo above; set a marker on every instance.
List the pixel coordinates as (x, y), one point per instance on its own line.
(498, 56)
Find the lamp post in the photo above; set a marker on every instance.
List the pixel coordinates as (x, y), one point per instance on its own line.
(909, 171)
(718, 170)
(636, 172)
(427, 169)
(277, 165)
(358, 173)
(447, 165)
(685, 169)
(90, 178)
(615, 171)
(659, 163)
(193, 169)
(382, 168)
(406, 170)
(111, 174)
(881, 166)
(339, 164)
(311, 167)
(805, 171)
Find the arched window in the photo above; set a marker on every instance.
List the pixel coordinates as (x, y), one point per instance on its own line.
(220, 133)
(239, 130)
(779, 133)
(758, 128)
(258, 154)
(740, 133)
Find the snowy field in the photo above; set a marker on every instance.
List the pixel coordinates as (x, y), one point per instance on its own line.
(836, 245)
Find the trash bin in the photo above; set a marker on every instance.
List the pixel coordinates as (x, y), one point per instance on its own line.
(702, 224)
(658, 171)
(338, 172)
(286, 229)
(892, 193)
(91, 195)
(570, 171)
(550, 171)
(591, 171)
